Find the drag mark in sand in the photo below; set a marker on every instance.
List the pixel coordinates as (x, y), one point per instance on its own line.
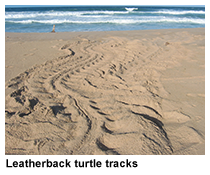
(101, 98)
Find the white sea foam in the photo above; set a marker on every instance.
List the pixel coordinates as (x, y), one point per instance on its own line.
(35, 14)
(131, 9)
(173, 12)
(115, 21)
(15, 15)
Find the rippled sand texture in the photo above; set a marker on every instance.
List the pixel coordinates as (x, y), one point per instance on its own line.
(108, 96)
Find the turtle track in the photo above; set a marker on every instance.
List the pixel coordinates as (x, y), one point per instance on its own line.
(100, 98)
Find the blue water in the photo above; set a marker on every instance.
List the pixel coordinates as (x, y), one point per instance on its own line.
(102, 18)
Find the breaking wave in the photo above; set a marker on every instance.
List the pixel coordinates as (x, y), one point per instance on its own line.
(102, 18)
(16, 15)
(116, 21)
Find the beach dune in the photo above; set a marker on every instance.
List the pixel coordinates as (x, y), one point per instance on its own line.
(119, 92)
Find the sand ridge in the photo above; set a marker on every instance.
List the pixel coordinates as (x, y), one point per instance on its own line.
(103, 96)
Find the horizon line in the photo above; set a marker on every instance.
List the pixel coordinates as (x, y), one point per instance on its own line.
(23, 6)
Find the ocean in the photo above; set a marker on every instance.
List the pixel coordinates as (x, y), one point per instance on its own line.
(101, 18)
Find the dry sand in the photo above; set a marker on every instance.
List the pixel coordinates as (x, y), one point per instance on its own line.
(127, 92)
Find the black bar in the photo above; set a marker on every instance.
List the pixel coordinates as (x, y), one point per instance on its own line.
(71, 163)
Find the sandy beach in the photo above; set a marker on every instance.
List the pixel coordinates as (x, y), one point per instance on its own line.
(98, 93)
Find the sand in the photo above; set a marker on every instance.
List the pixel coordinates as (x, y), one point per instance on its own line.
(99, 93)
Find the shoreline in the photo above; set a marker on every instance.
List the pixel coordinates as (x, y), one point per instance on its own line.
(101, 90)
(108, 30)
(111, 31)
